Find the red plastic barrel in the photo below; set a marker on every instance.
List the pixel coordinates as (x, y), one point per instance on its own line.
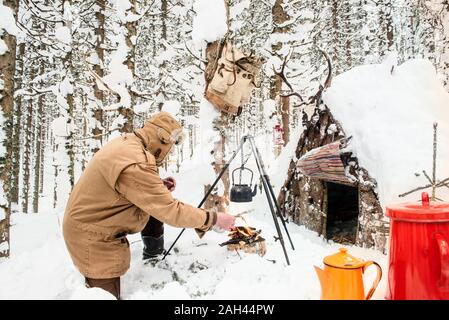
(419, 251)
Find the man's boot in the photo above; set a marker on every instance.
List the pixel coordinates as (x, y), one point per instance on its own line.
(152, 247)
(153, 240)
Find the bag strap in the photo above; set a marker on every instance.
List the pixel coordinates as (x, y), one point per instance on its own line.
(219, 51)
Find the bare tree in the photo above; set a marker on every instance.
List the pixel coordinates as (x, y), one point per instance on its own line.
(7, 67)
(98, 128)
(217, 201)
(68, 66)
(126, 111)
(28, 149)
(38, 150)
(279, 18)
(15, 172)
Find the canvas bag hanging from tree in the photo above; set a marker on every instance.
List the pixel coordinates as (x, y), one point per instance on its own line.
(230, 76)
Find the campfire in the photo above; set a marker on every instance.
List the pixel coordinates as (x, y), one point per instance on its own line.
(247, 239)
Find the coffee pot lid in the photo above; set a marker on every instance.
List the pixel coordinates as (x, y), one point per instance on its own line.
(344, 260)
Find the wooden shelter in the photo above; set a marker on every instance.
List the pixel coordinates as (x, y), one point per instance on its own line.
(327, 191)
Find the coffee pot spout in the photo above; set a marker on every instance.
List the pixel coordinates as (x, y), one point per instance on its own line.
(323, 277)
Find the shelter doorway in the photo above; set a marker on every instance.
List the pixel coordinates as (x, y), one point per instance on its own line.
(342, 213)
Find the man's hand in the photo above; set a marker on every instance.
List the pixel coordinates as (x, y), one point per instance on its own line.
(170, 183)
(224, 222)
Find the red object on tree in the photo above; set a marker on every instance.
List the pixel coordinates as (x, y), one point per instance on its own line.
(277, 135)
(419, 251)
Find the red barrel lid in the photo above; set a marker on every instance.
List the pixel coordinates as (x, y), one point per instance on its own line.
(424, 211)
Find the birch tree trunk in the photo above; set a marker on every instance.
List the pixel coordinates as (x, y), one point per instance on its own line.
(443, 44)
(335, 35)
(7, 66)
(15, 170)
(98, 128)
(131, 36)
(163, 66)
(27, 154)
(68, 66)
(219, 198)
(64, 153)
(390, 24)
(386, 36)
(279, 16)
(38, 147)
(347, 28)
(37, 130)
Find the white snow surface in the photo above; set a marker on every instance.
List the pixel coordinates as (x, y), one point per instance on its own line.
(122, 9)
(119, 76)
(3, 47)
(63, 34)
(278, 170)
(8, 24)
(390, 110)
(173, 107)
(2, 133)
(209, 24)
(202, 158)
(7, 21)
(40, 267)
(142, 107)
(61, 127)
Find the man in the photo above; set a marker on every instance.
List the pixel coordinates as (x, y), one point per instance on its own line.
(119, 193)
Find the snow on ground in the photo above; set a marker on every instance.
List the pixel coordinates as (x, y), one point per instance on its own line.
(40, 268)
(390, 110)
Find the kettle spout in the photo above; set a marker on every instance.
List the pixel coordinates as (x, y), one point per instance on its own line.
(323, 277)
(255, 190)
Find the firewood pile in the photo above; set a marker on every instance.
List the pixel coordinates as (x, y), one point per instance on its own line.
(247, 239)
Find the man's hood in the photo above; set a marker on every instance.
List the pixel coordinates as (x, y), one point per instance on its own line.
(159, 134)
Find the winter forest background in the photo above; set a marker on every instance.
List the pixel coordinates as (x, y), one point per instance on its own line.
(74, 74)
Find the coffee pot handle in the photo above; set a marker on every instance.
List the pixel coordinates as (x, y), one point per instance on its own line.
(443, 249)
(376, 281)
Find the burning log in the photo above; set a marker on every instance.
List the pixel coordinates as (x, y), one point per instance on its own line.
(247, 239)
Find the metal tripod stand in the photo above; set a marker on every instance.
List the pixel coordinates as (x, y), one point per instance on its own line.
(271, 198)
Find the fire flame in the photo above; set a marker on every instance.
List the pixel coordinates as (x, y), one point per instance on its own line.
(242, 231)
(247, 239)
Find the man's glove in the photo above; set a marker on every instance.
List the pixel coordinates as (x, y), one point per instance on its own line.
(170, 183)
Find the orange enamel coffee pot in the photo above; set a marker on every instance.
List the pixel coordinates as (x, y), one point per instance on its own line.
(342, 277)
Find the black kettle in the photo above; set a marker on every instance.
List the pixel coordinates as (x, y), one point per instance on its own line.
(242, 192)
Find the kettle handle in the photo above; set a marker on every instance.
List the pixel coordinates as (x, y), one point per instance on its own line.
(242, 168)
(443, 250)
(376, 281)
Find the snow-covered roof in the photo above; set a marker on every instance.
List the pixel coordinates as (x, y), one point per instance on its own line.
(390, 110)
